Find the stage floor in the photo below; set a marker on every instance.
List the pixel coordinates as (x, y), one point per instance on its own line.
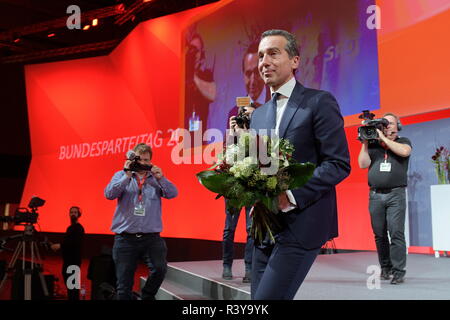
(340, 276)
(344, 276)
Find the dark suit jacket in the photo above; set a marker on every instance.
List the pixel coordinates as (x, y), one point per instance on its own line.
(313, 123)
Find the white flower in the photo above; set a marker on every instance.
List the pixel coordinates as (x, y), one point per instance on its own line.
(244, 168)
(231, 153)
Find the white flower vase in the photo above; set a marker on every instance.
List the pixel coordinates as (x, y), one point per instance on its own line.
(440, 217)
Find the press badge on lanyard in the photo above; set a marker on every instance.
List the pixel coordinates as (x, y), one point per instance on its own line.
(385, 166)
(139, 209)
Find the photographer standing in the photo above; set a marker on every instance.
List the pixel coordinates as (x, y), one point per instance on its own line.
(232, 214)
(239, 121)
(387, 159)
(137, 222)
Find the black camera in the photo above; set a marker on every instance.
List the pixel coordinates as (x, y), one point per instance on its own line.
(368, 131)
(242, 119)
(24, 215)
(135, 166)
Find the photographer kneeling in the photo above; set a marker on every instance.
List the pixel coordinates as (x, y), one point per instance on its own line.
(387, 158)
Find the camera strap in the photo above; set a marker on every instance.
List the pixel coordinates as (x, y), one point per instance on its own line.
(140, 183)
(385, 166)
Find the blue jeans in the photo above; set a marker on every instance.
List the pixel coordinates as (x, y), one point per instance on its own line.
(127, 251)
(231, 221)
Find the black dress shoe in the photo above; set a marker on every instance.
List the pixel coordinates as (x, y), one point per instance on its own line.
(247, 277)
(397, 279)
(385, 274)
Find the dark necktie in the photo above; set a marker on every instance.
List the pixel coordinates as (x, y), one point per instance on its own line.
(272, 112)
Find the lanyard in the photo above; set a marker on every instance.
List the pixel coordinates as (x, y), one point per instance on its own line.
(385, 147)
(140, 183)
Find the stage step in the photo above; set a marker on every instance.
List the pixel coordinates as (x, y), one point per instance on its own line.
(181, 284)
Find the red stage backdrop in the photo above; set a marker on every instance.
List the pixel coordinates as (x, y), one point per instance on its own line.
(86, 114)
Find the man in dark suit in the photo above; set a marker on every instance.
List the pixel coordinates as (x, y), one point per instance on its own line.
(311, 120)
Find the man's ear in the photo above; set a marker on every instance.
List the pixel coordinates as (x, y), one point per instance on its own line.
(295, 62)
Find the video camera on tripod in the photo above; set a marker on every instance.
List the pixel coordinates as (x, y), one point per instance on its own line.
(368, 130)
(23, 216)
(27, 249)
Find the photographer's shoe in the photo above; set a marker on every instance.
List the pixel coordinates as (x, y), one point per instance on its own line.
(227, 274)
(398, 279)
(385, 274)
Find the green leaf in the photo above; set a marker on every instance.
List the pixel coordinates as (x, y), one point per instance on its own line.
(248, 198)
(300, 173)
(214, 166)
(270, 203)
(235, 203)
(213, 181)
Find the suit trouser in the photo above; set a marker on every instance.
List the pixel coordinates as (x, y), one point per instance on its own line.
(279, 270)
(387, 212)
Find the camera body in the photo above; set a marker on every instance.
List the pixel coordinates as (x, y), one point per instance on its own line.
(368, 131)
(242, 119)
(135, 166)
(23, 216)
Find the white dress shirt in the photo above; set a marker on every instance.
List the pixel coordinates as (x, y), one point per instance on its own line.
(285, 92)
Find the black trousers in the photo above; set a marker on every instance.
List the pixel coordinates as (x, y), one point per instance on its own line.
(72, 294)
(127, 251)
(387, 212)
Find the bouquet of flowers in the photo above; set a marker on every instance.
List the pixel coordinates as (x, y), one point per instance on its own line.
(441, 160)
(253, 173)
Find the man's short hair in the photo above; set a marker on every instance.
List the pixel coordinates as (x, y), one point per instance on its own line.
(291, 46)
(142, 148)
(392, 115)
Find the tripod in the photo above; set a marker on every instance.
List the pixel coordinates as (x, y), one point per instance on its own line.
(27, 241)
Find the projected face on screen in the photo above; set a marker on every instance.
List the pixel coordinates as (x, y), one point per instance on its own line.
(254, 84)
(200, 86)
(333, 41)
